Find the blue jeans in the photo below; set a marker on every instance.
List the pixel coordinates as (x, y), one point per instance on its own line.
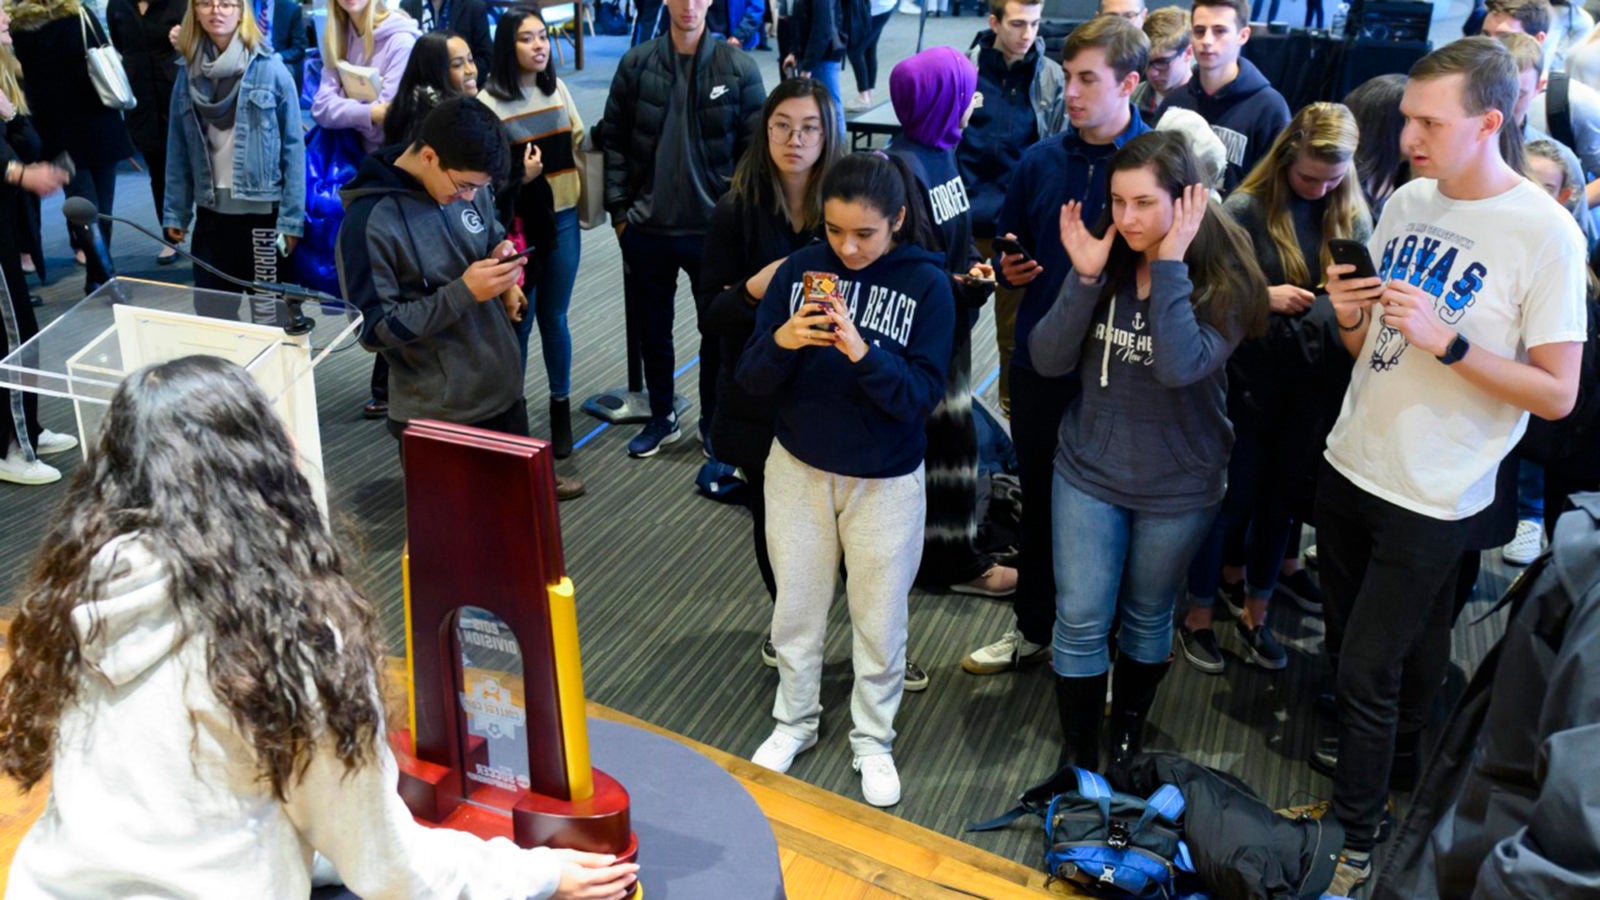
(1120, 561)
(1530, 491)
(548, 300)
(828, 74)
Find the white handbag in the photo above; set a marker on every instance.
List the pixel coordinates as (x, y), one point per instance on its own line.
(105, 69)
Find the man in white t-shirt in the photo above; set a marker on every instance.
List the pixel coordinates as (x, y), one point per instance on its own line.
(1476, 319)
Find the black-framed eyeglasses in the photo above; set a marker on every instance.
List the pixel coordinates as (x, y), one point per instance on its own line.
(224, 5)
(1162, 62)
(783, 133)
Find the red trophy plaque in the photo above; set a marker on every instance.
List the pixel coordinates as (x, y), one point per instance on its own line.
(485, 579)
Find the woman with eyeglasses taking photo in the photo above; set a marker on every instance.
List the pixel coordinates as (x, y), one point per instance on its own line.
(772, 209)
(236, 149)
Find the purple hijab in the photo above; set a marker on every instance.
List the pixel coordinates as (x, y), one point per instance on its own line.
(931, 91)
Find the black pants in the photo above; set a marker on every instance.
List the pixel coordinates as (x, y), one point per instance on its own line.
(380, 378)
(1037, 405)
(755, 480)
(514, 421)
(98, 185)
(19, 410)
(650, 266)
(155, 164)
(244, 246)
(1389, 576)
(864, 55)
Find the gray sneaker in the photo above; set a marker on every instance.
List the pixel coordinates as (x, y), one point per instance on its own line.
(1010, 652)
(1201, 650)
(1261, 646)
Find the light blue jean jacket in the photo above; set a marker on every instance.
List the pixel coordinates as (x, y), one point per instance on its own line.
(269, 161)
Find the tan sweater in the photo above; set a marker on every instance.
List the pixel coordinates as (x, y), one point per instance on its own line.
(552, 123)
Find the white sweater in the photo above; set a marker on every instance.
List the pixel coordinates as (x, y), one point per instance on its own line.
(154, 790)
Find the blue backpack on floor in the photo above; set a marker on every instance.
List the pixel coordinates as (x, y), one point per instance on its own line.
(1108, 842)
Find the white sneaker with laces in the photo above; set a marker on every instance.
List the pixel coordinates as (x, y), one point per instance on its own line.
(778, 751)
(1010, 652)
(880, 783)
(1526, 546)
(17, 470)
(50, 443)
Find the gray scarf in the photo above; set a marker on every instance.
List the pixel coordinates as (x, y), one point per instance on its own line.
(214, 81)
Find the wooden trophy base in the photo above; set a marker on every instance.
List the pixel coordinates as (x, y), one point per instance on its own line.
(438, 798)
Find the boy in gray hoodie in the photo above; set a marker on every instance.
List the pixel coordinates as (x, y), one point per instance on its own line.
(421, 254)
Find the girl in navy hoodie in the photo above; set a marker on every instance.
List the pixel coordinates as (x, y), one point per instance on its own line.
(851, 343)
(1148, 317)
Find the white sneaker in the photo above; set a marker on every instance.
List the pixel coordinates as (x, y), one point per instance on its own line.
(17, 470)
(880, 783)
(1010, 652)
(1526, 546)
(50, 443)
(779, 751)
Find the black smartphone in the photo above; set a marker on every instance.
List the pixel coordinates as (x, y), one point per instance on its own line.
(63, 161)
(524, 253)
(1009, 246)
(1346, 252)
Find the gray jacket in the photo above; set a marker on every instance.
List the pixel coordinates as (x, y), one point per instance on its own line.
(401, 257)
(1509, 806)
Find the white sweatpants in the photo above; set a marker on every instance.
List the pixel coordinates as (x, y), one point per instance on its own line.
(877, 522)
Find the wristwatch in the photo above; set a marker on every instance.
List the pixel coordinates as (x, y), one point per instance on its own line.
(1454, 352)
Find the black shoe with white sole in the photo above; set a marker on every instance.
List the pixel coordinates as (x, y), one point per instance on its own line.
(1201, 650)
(1299, 587)
(1261, 646)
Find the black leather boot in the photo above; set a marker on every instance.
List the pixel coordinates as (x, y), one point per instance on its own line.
(1133, 689)
(1081, 705)
(561, 427)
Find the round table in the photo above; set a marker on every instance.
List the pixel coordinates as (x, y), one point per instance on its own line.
(700, 833)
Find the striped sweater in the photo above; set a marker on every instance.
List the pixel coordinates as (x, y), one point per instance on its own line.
(552, 123)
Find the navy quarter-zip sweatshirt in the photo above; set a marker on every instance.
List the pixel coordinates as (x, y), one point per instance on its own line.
(1246, 114)
(1053, 171)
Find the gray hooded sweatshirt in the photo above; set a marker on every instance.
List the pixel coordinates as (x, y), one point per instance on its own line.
(1149, 429)
(401, 257)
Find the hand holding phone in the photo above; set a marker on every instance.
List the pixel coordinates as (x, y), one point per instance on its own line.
(1011, 246)
(1346, 252)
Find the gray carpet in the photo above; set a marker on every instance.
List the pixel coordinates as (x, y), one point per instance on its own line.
(672, 611)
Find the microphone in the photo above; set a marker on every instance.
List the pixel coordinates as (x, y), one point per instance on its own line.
(81, 212)
(96, 260)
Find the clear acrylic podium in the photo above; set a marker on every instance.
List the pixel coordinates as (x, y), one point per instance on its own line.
(129, 323)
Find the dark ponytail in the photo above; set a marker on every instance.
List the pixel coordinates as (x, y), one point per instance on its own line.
(884, 183)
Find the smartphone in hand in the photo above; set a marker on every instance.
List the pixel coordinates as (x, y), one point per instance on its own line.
(1009, 246)
(821, 290)
(1346, 252)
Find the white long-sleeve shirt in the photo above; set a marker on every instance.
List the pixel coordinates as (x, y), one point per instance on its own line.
(155, 791)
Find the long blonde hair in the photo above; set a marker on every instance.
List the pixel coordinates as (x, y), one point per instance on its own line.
(333, 48)
(190, 34)
(1327, 133)
(11, 80)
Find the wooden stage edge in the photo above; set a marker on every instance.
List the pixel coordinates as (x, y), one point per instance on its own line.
(830, 847)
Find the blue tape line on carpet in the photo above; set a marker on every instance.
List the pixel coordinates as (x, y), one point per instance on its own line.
(993, 374)
(604, 425)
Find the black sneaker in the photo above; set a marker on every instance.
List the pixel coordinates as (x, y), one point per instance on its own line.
(1232, 596)
(1201, 650)
(769, 653)
(1325, 755)
(1300, 588)
(916, 678)
(1261, 647)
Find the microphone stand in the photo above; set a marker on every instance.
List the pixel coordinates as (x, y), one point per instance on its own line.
(293, 296)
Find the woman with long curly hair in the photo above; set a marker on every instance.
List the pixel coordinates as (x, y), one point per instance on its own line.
(191, 663)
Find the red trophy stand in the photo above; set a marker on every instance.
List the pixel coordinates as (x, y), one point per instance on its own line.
(482, 531)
